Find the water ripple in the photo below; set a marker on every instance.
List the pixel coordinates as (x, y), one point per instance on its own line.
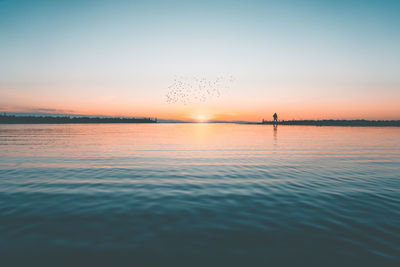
(222, 193)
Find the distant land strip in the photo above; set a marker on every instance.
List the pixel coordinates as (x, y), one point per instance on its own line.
(12, 119)
(376, 123)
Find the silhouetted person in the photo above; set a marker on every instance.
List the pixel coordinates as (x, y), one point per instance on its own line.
(275, 118)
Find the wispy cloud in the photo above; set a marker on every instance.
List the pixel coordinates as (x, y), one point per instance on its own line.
(20, 109)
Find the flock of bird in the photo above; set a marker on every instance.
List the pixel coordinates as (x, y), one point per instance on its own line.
(186, 90)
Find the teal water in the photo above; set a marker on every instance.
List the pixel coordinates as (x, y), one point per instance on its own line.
(199, 195)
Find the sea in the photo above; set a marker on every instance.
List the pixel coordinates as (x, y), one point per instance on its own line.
(199, 194)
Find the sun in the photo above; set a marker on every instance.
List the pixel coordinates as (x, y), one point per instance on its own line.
(202, 118)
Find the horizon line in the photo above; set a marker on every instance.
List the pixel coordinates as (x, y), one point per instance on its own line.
(173, 120)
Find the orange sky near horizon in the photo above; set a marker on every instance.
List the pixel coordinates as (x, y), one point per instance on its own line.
(233, 108)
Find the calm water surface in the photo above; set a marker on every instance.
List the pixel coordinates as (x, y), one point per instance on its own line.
(199, 194)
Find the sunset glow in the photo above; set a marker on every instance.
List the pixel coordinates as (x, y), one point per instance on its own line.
(120, 59)
(202, 118)
(199, 133)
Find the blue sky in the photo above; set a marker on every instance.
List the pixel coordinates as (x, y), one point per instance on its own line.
(306, 59)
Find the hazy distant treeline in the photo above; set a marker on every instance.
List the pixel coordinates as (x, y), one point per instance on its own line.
(66, 119)
(338, 122)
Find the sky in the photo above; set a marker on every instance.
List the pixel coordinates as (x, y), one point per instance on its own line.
(301, 59)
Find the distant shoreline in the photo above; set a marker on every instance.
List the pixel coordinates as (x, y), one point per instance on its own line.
(12, 119)
(30, 119)
(354, 123)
